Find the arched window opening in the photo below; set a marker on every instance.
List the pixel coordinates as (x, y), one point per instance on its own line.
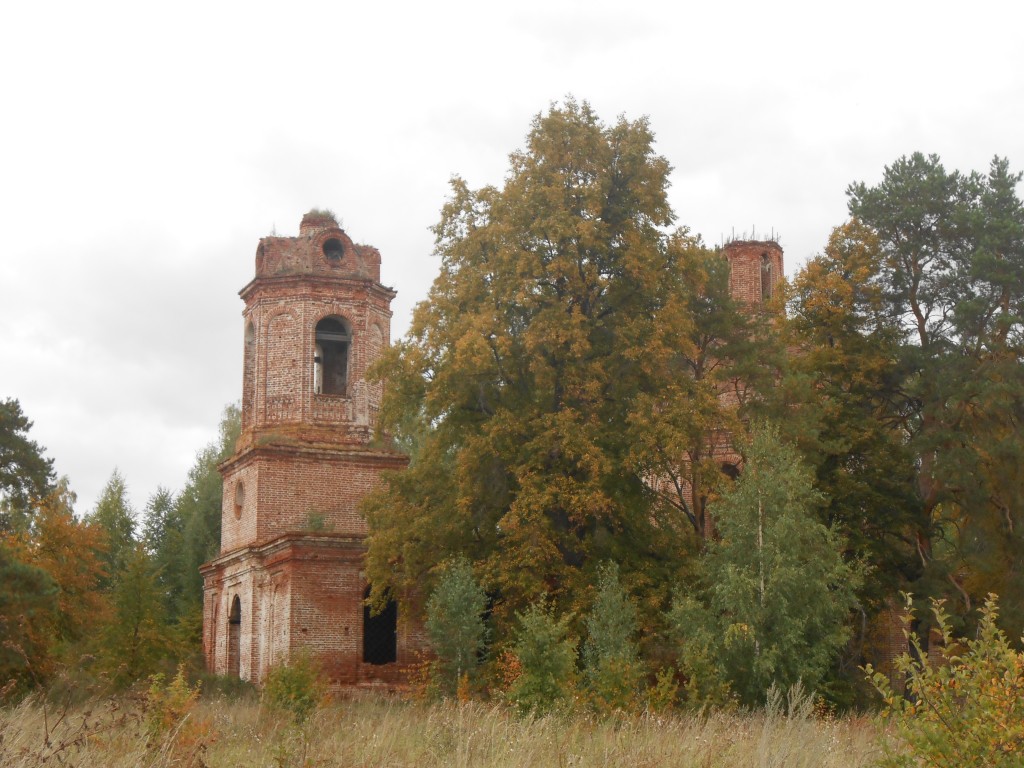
(334, 250)
(235, 638)
(766, 277)
(239, 499)
(330, 357)
(380, 634)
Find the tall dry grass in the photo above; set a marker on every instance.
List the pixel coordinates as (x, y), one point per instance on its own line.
(382, 732)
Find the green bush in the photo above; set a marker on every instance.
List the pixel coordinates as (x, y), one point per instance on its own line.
(663, 696)
(455, 626)
(612, 669)
(966, 711)
(295, 688)
(547, 661)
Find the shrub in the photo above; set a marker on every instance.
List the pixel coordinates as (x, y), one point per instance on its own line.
(664, 694)
(295, 688)
(965, 711)
(612, 669)
(455, 625)
(322, 213)
(171, 725)
(547, 660)
(168, 704)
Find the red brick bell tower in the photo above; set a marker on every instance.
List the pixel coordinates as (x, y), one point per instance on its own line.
(289, 575)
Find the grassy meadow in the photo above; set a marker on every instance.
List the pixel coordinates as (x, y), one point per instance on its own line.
(379, 731)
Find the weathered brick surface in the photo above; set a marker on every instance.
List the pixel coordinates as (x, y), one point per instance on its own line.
(755, 269)
(292, 538)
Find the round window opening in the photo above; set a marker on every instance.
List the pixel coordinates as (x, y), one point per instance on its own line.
(334, 250)
(239, 499)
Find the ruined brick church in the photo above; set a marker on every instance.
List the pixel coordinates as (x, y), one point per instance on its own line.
(289, 573)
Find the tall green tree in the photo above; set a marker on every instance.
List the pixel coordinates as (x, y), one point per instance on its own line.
(559, 311)
(25, 473)
(951, 270)
(116, 518)
(137, 636)
(777, 591)
(163, 537)
(840, 402)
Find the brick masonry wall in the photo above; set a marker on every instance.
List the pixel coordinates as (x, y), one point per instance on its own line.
(745, 268)
(288, 489)
(302, 591)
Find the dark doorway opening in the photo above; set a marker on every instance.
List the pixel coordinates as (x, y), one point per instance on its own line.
(234, 637)
(380, 634)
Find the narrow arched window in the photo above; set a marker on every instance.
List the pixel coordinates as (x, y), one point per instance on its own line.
(330, 357)
(235, 637)
(766, 277)
(239, 499)
(249, 374)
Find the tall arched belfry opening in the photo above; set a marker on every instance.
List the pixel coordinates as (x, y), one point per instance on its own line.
(289, 573)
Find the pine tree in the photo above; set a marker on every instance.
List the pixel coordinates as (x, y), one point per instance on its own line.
(950, 274)
(25, 474)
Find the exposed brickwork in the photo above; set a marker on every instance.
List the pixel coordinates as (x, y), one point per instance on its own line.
(755, 269)
(292, 538)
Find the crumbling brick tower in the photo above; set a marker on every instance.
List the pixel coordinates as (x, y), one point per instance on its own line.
(755, 270)
(289, 576)
(755, 274)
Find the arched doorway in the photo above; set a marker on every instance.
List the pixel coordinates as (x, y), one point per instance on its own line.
(380, 634)
(234, 637)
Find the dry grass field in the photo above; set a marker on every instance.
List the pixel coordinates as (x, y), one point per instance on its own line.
(369, 731)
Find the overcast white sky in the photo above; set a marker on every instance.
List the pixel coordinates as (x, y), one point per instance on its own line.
(145, 148)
